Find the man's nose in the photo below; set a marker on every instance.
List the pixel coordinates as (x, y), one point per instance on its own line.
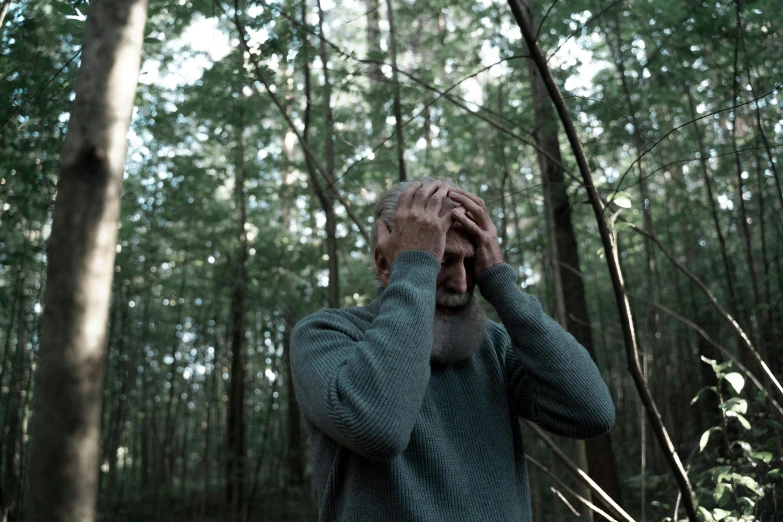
(458, 281)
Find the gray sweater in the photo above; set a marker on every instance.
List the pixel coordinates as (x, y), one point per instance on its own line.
(397, 439)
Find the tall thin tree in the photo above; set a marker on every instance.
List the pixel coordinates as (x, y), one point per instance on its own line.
(569, 289)
(62, 476)
(398, 123)
(235, 464)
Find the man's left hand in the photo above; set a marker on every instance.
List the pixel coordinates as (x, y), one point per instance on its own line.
(480, 226)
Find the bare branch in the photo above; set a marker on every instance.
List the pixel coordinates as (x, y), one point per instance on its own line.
(42, 89)
(541, 25)
(694, 120)
(579, 29)
(581, 475)
(717, 346)
(569, 490)
(375, 8)
(714, 301)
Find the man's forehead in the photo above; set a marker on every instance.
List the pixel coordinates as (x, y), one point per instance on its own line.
(458, 241)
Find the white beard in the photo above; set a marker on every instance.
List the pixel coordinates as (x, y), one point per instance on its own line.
(456, 337)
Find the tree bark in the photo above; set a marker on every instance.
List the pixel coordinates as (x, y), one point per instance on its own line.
(650, 323)
(743, 215)
(63, 467)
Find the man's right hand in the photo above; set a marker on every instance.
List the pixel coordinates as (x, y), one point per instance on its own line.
(418, 224)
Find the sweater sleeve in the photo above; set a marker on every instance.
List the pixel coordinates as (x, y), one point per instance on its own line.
(551, 377)
(365, 390)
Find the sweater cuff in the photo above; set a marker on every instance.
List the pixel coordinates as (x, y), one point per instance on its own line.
(416, 266)
(498, 283)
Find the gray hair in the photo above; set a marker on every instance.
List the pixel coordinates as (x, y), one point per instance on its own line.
(386, 208)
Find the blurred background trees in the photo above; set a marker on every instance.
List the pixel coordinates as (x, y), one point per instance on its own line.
(264, 132)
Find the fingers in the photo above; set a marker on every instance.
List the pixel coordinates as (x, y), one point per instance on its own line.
(459, 215)
(436, 200)
(423, 195)
(476, 208)
(406, 198)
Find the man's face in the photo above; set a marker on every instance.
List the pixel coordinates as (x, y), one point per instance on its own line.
(455, 283)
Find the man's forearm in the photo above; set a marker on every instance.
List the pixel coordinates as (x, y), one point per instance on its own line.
(367, 394)
(570, 397)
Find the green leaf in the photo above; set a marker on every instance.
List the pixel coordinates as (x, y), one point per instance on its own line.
(698, 394)
(722, 493)
(746, 481)
(720, 514)
(735, 404)
(706, 514)
(622, 201)
(705, 438)
(717, 368)
(736, 380)
(613, 218)
(740, 418)
(774, 473)
(763, 456)
(721, 473)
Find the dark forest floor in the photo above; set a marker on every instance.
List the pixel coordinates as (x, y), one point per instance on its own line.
(291, 506)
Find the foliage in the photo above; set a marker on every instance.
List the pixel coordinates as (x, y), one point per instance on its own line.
(168, 359)
(736, 473)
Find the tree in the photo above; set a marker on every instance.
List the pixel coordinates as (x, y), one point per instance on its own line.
(569, 290)
(63, 466)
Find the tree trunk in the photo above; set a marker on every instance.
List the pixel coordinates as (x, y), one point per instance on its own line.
(295, 462)
(294, 455)
(374, 51)
(569, 289)
(235, 476)
(63, 467)
(396, 84)
(118, 417)
(733, 304)
(325, 198)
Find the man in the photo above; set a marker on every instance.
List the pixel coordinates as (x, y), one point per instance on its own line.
(412, 401)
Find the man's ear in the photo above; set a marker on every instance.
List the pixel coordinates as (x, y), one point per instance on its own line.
(382, 265)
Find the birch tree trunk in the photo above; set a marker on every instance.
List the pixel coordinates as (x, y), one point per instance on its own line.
(62, 476)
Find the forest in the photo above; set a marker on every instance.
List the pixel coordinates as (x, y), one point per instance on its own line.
(182, 182)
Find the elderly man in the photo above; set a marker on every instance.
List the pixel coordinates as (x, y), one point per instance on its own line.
(412, 401)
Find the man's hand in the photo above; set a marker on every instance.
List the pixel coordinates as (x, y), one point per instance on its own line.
(418, 224)
(479, 225)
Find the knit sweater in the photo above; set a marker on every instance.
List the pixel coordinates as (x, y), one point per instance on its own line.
(395, 438)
